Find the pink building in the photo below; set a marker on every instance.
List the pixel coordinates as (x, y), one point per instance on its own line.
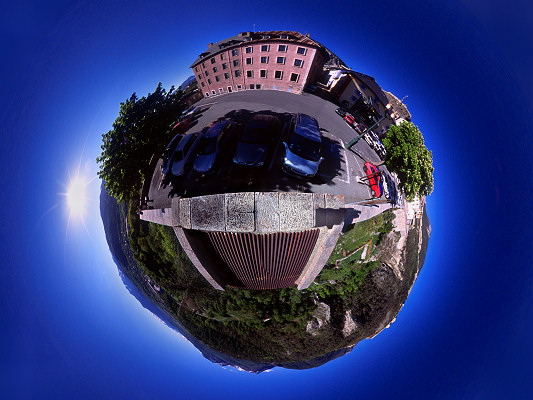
(274, 60)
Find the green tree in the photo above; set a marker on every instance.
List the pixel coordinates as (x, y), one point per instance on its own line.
(140, 130)
(410, 159)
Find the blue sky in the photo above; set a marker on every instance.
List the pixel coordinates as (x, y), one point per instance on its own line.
(70, 328)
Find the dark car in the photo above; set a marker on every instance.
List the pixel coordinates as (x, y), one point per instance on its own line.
(253, 144)
(168, 154)
(373, 175)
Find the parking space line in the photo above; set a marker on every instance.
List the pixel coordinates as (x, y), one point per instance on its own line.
(347, 166)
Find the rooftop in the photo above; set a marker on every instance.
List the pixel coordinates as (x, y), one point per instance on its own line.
(254, 37)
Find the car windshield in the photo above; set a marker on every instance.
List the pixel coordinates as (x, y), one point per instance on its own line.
(304, 147)
(208, 146)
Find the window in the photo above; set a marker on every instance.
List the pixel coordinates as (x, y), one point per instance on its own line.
(235, 63)
(258, 86)
(229, 89)
(266, 36)
(284, 36)
(215, 69)
(282, 47)
(264, 60)
(220, 90)
(203, 84)
(235, 52)
(298, 63)
(199, 76)
(252, 86)
(213, 60)
(263, 73)
(278, 74)
(224, 66)
(206, 73)
(294, 77)
(265, 47)
(237, 73)
(203, 65)
(249, 61)
(249, 74)
(226, 75)
(280, 60)
(249, 50)
(209, 81)
(206, 94)
(222, 56)
(239, 87)
(195, 69)
(301, 50)
(217, 78)
(212, 91)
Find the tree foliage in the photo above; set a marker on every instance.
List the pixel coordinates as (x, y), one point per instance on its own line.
(140, 130)
(410, 159)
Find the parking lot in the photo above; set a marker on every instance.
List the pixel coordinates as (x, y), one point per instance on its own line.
(337, 173)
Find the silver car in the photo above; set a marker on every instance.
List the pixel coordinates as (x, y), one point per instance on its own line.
(209, 146)
(302, 150)
(184, 153)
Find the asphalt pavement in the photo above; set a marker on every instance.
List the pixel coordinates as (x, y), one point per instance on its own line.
(338, 173)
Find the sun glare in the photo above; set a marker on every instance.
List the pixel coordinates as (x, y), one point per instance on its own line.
(76, 196)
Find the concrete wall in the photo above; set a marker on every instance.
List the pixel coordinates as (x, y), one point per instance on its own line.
(254, 212)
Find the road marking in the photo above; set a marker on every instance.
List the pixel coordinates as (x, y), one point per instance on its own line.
(347, 166)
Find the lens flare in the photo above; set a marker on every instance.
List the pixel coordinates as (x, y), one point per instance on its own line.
(77, 196)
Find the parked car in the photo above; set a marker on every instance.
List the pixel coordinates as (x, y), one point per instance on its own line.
(184, 153)
(192, 110)
(385, 186)
(391, 189)
(183, 124)
(373, 175)
(303, 148)
(168, 154)
(360, 127)
(258, 134)
(210, 144)
(350, 120)
(341, 111)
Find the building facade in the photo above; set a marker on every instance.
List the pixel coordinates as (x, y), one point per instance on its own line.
(273, 60)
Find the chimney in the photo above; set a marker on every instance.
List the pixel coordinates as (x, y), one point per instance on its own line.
(209, 45)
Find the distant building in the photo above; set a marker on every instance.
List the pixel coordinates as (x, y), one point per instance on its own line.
(362, 96)
(291, 62)
(273, 60)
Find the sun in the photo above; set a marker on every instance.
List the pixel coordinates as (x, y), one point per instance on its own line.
(77, 196)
